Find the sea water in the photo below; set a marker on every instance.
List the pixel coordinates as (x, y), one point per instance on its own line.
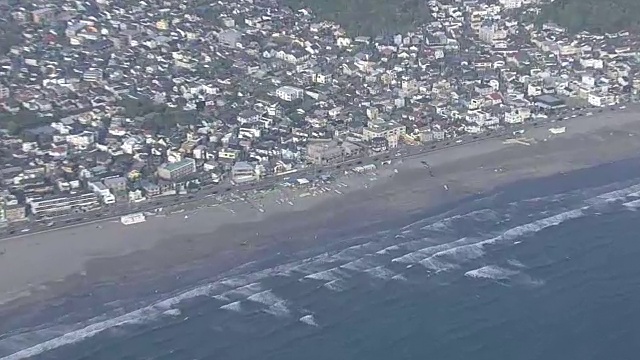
(544, 269)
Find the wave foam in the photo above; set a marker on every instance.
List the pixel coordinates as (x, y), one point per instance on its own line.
(421, 254)
(616, 195)
(493, 272)
(336, 285)
(172, 312)
(275, 305)
(328, 275)
(359, 265)
(632, 205)
(381, 272)
(242, 291)
(309, 320)
(516, 263)
(472, 250)
(234, 306)
(477, 215)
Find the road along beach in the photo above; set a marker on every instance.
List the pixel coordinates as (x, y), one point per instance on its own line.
(71, 260)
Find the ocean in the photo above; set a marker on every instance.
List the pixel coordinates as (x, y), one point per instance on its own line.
(542, 269)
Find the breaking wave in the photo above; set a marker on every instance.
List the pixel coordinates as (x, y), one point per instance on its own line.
(309, 320)
(493, 272)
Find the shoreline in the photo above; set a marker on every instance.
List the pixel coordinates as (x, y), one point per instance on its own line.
(73, 259)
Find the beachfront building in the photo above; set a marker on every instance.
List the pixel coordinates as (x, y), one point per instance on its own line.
(177, 170)
(242, 172)
(549, 102)
(389, 130)
(102, 191)
(324, 152)
(62, 204)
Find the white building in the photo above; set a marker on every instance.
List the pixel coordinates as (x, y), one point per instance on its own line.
(511, 4)
(388, 130)
(81, 141)
(289, 93)
(92, 75)
(57, 205)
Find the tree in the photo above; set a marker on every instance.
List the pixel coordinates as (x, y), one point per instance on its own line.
(594, 15)
(369, 17)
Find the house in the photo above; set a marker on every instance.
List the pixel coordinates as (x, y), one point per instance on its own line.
(289, 93)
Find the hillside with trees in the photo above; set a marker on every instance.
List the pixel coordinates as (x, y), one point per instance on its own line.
(368, 17)
(597, 16)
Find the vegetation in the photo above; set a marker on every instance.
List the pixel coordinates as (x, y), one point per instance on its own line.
(157, 117)
(369, 17)
(598, 16)
(16, 123)
(9, 36)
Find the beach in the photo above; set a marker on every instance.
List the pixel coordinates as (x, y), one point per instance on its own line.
(40, 267)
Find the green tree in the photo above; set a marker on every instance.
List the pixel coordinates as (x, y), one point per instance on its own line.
(594, 15)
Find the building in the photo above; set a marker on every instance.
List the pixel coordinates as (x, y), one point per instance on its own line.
(63, 204)
(289, 93)
(324, 152)
(150, 189)
(379, 144)
(491, 32)
(44, 15)
(92, 75)
(4, 92)
(328, 152)
(177, 170)
(116, 184)
(549, 102)
(511, 4)
(102, 191)
(229, 38)
(242, 171)
(388, 130)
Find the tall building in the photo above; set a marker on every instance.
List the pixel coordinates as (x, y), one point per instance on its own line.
(389, 130)
(177, 170)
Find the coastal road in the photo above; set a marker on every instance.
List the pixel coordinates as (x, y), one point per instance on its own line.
(208, 194)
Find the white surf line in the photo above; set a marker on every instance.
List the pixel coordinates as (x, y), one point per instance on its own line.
(139, 316)
(479, 215)
(332, 274)
(476, 249)
(632, 205)
(615, 195)
(421, 254)
(466, 249)
(234, 306)
(275, 305)
(493, 272)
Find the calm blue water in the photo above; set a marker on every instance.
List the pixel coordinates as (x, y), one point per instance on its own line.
(546, 269)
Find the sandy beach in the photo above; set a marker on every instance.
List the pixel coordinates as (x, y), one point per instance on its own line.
(42, 266)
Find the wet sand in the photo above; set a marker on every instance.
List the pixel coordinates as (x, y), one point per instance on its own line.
(46, 265)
